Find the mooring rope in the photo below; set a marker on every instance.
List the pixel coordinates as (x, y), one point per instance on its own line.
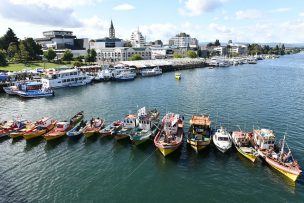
(135, 169)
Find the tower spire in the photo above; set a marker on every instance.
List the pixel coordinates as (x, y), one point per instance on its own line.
(111, 31)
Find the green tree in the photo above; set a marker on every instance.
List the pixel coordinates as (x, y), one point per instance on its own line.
(50, 54)
(135, 57)
(67, 55)
(24, 54)
(217, 43)
(3, 61)
(77, 64)
(177, 55)
(12, 51)
(191, 54)
(33, 48)
(8, 38)
(91, 55)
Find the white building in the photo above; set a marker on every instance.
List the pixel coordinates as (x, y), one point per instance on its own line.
(183, 40)
(161, 52)
(137, 39)
(221, 50)
(240, 49)
(61, 40)
(121, 54)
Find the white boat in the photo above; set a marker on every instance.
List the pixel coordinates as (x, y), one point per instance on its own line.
(104, 75)
(66, 78)
(151, 72)
(124, 75)
(222, 140)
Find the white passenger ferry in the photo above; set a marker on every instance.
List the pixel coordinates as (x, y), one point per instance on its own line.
(66, 78)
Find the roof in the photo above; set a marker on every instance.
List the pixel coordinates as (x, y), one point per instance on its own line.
(200, 120)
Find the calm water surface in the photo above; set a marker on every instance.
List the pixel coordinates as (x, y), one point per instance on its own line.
(269, 94)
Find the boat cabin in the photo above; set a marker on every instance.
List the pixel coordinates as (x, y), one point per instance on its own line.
(264, 138)
(240, 138)
(44, 122)
(62, 126)
(222, 135)
(130, 121)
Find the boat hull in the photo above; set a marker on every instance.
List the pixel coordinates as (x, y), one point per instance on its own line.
(289, 173)
(167, 151)
(251, 157)
(89, 133)
(35, 134)
(198, 145)
(54, 136)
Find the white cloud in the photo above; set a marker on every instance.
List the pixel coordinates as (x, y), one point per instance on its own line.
(248, 14)
(281, 10)
(39, 14)
(301, 14)
(199, 7)
(219, 28)
(56, 3)
(124, 7)
(158, 31)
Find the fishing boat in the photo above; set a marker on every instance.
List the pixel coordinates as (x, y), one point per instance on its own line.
(276, 156)
(28, 126)
(111, 128)
(221, 139)
(151, 72)
(77, 130)
(42, 126)
(130, 122)
(63, 127)
(93, 126)
(199, 134)
(12, 126)
(37, 93)
(147, 127)
(170, 135)
(241, 141)
(178, 76)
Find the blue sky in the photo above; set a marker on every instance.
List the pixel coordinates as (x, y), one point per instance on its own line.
(206, 20)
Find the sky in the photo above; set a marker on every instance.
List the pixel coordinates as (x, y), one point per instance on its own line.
(252, 21)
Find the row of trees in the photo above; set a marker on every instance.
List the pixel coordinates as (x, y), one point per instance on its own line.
(266, 49)
(189, 53)
(15, 50)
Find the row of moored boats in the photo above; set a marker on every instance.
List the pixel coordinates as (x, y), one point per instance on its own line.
(167, 134)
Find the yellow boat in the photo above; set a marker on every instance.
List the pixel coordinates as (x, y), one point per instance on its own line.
(93, 127)
(171, 134)
(248, 152)
(30, 126)
(199, 132)
(60, 130)
(241, 140)
(178, 76)
(42, 126)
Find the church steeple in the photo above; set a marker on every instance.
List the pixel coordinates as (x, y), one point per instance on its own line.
(111, 31)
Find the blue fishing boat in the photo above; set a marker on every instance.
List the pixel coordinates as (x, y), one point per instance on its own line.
(77, 130)
(31, 89)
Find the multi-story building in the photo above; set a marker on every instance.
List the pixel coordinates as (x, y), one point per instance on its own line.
(61, 40)
(161, 52)
(137, 39)
(107, 42)
(239, 49)
(184, 41)
(121, 54)
(221, 50)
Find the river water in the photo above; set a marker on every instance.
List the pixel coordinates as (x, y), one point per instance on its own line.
(269, 94)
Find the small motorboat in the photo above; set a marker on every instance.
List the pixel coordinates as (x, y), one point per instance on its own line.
(93, 126)
(178, 76)
(111, 129)
(77, 130)
(42, 126)
(222, 140)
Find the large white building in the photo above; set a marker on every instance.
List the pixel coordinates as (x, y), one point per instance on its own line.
(183, 40)
(137, 39)
(161, 52)
(61, 40)
(121, 54)
(239, 49)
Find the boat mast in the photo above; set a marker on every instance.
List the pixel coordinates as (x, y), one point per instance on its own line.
(282, 148)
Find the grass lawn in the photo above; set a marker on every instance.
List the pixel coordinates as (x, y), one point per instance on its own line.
(33, 65)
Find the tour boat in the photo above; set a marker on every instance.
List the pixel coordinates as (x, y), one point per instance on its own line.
(170, 136)
(147, 127)
(151, 72)
(241, 141)
(63, 127)
(42, 126)
(124, 75)
(199, 134)
(111, 129)
(276, 157)
(93, 126)
(104, 75)
(66, 78)
(77, 130)
(221, 140)
(37, 93)
(130, 122)
(178, 76)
